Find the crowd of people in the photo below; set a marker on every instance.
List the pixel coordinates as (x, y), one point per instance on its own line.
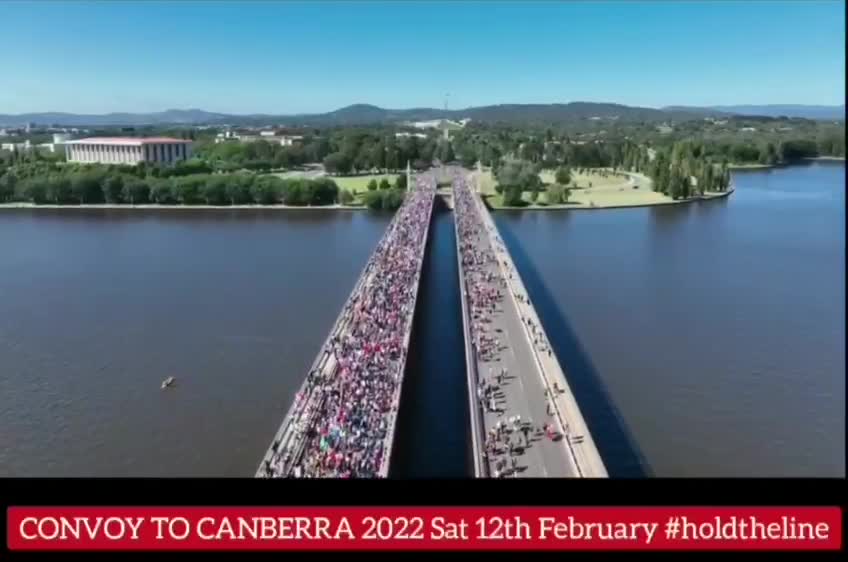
(485, 290)
(483, 284)
(341, 419)
(486, 287)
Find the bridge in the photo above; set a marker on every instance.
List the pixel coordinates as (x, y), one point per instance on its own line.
(342, 421)
(525, 421)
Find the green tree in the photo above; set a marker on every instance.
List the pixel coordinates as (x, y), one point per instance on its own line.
(373, 200)
(7, 186)
(338, 163)
(162, 191)
(268, 190)
(512, 196)
(798, 149)
(86, 188)
(113, 188)
(34, 190)
(563, 175)
(294, 192)
(188, 190)
(768, 154)
(345, 197)
(58, 190)
(709, 178)
(136, 191)
(323, 191)
(214, 191)
(557, 194)
(400, 182)
(372, 185)
(384, 184)
(237, 187)
(520, 174)
(468, 158)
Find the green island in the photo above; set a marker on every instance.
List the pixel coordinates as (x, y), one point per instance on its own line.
(573, 163)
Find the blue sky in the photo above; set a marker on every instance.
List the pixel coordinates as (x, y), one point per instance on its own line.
(290, 57)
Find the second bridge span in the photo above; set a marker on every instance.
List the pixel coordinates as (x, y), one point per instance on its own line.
(525, 421)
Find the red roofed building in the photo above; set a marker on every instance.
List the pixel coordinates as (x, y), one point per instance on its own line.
(128, 150)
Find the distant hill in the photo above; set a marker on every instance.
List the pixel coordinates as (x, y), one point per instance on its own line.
(170, 116)
(362, 114)
(820, 112)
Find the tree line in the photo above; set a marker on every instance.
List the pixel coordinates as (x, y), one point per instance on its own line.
(97, 185)
(681, 171)
(493, 145)
(517, 176)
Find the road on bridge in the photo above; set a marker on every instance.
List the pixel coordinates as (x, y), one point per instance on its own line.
(522, 392)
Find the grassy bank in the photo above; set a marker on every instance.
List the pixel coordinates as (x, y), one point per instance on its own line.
(496, 202)
(610, 192)
(356, 184)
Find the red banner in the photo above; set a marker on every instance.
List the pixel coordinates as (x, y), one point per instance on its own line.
(424, 528)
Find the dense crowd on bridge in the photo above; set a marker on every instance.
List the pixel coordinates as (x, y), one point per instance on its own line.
(482, 284)
(341, 418)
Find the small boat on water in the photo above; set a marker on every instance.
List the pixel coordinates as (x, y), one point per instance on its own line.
(168, 382)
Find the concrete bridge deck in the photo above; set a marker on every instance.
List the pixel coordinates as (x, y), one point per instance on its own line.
(535, 387)
(287, 448)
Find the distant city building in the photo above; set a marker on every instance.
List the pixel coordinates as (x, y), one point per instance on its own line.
(444, 125)
(416, 135)
(269, 136)
(226, 136)
(291, 140)
(128, 150)
(13, 146)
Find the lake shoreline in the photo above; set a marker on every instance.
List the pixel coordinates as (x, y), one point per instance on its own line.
(785, 164)
(578, 207)
(158, 207)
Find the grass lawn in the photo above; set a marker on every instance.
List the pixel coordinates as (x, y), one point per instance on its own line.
(357, 184)
(583, 180)
(611, 191)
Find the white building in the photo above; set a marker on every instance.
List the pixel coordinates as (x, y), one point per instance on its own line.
(128, 150)
(268, 136)
(290, 140)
